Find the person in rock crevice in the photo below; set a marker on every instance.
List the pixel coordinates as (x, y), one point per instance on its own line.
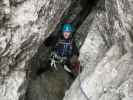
(64, 47)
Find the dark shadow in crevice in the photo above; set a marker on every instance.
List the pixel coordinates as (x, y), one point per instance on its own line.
(87, 7)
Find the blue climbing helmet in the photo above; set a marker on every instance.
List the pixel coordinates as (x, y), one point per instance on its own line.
(67, 28)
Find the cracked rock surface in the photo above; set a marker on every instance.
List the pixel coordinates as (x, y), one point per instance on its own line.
(24, 24)
(106, 54)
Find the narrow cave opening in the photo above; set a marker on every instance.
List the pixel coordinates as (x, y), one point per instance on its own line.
(45, 83)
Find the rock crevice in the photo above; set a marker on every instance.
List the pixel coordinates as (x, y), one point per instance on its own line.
(103, 30)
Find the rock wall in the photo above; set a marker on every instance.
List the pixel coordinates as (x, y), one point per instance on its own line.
(24, 24)
(106, 54)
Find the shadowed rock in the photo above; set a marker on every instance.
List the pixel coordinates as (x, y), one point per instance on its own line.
(50, 85)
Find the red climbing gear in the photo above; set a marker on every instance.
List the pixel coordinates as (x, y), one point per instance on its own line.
(75, 65)
(76, 68)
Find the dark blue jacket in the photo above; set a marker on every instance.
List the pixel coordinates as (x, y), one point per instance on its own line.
(63, 47)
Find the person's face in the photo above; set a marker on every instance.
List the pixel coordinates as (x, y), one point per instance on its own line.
(66, 35)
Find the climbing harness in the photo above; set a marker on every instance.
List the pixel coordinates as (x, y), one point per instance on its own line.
(55, 59)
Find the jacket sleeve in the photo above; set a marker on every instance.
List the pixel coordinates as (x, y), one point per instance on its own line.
(51, 41)
(75, 49)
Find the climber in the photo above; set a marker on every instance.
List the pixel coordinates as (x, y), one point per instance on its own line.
(66, 51)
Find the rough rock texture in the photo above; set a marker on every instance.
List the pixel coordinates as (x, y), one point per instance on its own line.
(106, 54)
(24, 24)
